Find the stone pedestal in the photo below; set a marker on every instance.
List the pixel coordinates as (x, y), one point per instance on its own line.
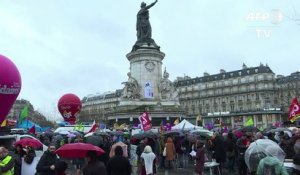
(146, 68)
(153, 88)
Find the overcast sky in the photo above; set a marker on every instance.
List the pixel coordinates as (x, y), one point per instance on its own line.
(75, 46)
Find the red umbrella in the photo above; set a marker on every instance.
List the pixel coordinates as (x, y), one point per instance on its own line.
(34, 143)
(77, 150)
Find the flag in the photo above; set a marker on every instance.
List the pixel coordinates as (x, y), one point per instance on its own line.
(94, 127)
(23, 114)
(176, 121)
(249, 122)
(164, 122)
(225, 129)
(122, 126)
(32, 130)
(102, 126)
(145, 121)
(4, 123)
(116, 126)
(294, 111)
(79, 127)
(209, 126)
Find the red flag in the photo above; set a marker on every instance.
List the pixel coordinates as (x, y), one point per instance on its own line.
(94, 127)
(145, 121)
(294, 111)
(32, 130)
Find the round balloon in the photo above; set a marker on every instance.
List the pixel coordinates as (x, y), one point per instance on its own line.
(69, 106)
(10, 86)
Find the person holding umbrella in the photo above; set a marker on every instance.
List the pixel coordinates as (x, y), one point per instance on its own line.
(6, 162)
(93, 166)
(242, 144)
(200, 158)
(18, 154)
(46, 165)
(118, 164)
(29, 154)
(60, 167)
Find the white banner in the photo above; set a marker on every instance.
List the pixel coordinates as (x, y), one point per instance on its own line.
(148, 90)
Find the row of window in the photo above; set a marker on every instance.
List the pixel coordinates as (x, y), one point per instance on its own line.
(229, 82)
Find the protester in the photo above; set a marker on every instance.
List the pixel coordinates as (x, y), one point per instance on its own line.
(157, 151)
(179, 151)
(118, 164)
(78, 162)
(29, 154)
(271, 136)
(271, 166)
(139, 150)
(230, 147)
(242, 145)
(200, 158)
(296, 167)
(93, 166)
(60, 167)
(170, 150)
(6, 162)
(46, 165)
(219, 151)
(258, 135)
(148, 161)
(286, 145)
(162, 156)
(18, 155)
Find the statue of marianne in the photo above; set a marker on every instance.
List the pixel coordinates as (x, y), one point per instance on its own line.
(143, 26)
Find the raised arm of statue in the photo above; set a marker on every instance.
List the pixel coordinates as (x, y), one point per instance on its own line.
(151, 5)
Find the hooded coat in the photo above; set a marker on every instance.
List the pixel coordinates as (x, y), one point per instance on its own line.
(170, 148)
(271, 166)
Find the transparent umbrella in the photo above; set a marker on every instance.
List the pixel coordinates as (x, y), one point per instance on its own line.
(260, 149)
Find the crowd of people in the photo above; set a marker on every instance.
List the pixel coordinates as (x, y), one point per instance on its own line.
(156, 152)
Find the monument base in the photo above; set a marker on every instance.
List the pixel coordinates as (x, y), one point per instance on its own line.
(129, 111)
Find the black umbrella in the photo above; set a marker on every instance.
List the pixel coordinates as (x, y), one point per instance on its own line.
(94, 140)
(174, 133)
(278, 130)
(101, 133)
(249, 129)
(148, 134)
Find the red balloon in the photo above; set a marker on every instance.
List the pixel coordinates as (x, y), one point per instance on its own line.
(10, 86)
(69, 106)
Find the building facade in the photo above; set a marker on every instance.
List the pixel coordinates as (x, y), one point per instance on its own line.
(230, 98)
(96, 106)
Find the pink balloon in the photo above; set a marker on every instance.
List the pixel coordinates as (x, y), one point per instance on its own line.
(10, 86)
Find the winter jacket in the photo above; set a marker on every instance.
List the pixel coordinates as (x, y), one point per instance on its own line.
(94, 168)
(170, 148)
(7, 165)
(47, 159)
(200, 160)
(118, 165)
(271, 166)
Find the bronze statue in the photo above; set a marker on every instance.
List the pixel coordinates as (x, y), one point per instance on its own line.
(143, 26)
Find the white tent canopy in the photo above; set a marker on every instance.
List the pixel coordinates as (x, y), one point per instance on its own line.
(185, 125)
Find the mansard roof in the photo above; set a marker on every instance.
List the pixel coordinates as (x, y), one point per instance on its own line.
(285, 79)
(103, 96)
(226, 75)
